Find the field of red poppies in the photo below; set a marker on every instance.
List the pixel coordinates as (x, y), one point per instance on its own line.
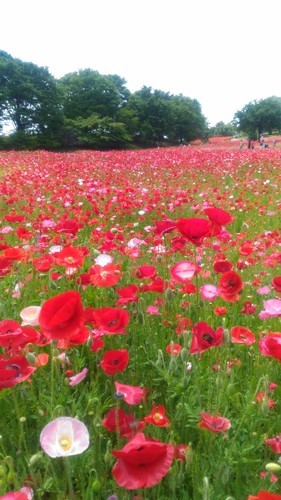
(140, 339)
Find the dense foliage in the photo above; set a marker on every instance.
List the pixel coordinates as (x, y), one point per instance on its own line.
(259, 117)
(140, 341)
(85, 109)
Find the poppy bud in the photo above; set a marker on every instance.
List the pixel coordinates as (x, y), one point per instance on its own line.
(96, 486)
(140, 318)
(35, 459)
(172, 365)
(168, 295)
(206, 489)
(272, 467)
(11, 477)
(188, 367)
(184, 355)
(3, 471)
(226, 336)
(108, 458)
(31, 358)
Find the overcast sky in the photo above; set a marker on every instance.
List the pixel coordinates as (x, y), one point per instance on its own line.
(224, 53)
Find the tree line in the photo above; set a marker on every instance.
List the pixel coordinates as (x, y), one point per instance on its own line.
(86, 109)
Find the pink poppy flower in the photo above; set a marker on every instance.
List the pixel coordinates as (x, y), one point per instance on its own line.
(64, 436)
(76, 379)
(209, 292)
(30, 315)
(272, 308)
(214, 423)
(24, 493)
(133, 395)
(184, 271)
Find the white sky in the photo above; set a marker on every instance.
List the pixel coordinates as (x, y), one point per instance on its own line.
(224, 53)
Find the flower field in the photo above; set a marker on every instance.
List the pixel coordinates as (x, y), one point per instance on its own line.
(140, 332)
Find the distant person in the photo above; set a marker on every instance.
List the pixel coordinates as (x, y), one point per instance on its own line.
(273, 143)
(241, 144)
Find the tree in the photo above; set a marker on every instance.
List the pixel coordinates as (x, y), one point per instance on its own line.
(188, 122)
(258, 117)
(95, 132)
(222, 129)
(86, 92)
(154, 115)
(29, 98)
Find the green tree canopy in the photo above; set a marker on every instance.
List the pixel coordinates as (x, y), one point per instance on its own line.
(86, 92)
(258, 117)
(29, 97)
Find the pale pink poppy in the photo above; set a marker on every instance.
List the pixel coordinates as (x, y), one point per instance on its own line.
(264, 290)
(209, 292)
(272, 308)
(64, 436)
(103, 259)
(30, 315)
(152, 310)
(76, 379)
(24, 493)
(135, 243)
(184, 271)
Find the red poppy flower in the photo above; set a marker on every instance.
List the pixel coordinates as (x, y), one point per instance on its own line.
(69, 257)
(262, 397)
(13, 371)
(43, 264)
(116, 420)
(157, 285)
(183, 325)
(276, 283)
(274, 443)
(157, 416)
(142, 462)
(173, 349)
(241, 335)
(265, 495)
(214, 423)
(204, 337)
(109, 320)
(127, 294)
(12, 334)
(180, 452)
(270, 345)
(66, 226)
(115, 361)
(164, 227)
(248, 308)
(62, 316)
(145, 272)
(220, 310)
(132, 394)
(15, 253)
(195, 229)
(218, 216)
(222, 266)
(230, 284)
(184, 271)
(104, 276)
(5, 266)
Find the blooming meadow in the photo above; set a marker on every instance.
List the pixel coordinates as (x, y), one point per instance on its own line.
(140, 335)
